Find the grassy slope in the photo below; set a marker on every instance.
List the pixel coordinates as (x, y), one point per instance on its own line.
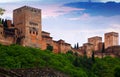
(16, 56)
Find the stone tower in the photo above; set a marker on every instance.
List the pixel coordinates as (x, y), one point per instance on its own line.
(95, 41)
(27, 21)
(111, 39)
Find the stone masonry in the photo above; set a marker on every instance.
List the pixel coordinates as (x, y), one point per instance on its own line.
(95, 41)
(111, 39)
(27, 31)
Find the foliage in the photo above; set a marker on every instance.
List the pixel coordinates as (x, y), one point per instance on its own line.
(49, 47)
(2, 11)
(69, 52)
(16, 56)
(117, 72)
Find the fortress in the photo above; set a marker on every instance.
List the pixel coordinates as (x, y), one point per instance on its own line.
(26, 30)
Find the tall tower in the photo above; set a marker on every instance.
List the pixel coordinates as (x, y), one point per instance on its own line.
(95, 41)
(27, 21)
(111, 39)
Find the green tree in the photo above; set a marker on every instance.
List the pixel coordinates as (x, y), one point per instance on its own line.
(69, 52)
(93, 56)
(103, 49)
(49, 47)
(2, 11)
(76, 62)
(77, 46)
(117, 72)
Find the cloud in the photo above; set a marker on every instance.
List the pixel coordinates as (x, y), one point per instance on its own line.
(57, 10)
(97, 8)
(114, 28)
(85, 16)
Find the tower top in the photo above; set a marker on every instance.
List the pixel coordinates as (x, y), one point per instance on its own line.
(112, 33)
(28, 8)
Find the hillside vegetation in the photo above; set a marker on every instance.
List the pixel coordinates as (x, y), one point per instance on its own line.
(15, 56)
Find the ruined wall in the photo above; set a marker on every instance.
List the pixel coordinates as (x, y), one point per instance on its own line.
(95, 41)
(111, 39)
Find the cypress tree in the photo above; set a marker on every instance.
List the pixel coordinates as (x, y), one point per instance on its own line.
(103, 49)
(93, 56)
(77, 46)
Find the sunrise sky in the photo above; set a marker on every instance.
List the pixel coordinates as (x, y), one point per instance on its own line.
(72, 20)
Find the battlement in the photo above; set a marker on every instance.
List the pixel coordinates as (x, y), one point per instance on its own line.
(94, 38)
(87, 44)
(24, 8)
(45, 34)
(112, 34)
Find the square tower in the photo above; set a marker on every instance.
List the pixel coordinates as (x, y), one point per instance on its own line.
(27, 22)
(95, 41)
(88, 48)
(111, 39)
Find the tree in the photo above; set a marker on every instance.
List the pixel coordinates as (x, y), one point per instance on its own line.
(49, 47)
(117, 72)
(2, 11)
(103, 49)
(77, 47)
(76, 62)
(70, 52)
(93, 56)
(5, 23)
(76, 54)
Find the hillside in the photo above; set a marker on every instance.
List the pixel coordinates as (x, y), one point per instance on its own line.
(18, 57)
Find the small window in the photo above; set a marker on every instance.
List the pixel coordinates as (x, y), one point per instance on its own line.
(30, 32)
(33, 32)
(36, 33)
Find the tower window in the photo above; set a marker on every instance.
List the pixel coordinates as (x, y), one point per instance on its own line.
(30, 31)
(36, 33)
(33, 32)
